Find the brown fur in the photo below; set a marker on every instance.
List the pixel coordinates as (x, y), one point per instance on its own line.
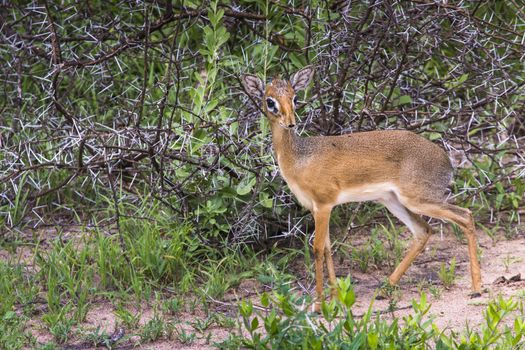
(402, 170)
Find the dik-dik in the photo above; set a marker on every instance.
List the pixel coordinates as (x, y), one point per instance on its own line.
(401, 170)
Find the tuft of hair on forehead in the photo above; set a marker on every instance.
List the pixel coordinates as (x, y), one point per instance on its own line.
(280, 86)
(277, 82)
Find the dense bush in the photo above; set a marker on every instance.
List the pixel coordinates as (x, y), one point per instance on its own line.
(106, 107)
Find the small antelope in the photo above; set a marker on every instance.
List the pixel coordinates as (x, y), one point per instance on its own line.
(401, 170)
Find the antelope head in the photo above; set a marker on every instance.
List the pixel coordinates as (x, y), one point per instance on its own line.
(278, 97)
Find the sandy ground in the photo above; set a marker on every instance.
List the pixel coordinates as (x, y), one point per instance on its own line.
(454, 308)
(451, 308)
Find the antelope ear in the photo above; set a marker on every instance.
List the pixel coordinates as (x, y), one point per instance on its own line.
(253, 85)
(302, 78)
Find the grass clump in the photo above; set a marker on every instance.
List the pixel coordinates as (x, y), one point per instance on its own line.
(447, 275)
(12, 335)
(287, 323)
(16, 291)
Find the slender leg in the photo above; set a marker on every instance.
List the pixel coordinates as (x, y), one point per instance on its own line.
(417, 246)
(322, 218)
(463, 218)
(475, 270)
(419, 228)
(330, 265)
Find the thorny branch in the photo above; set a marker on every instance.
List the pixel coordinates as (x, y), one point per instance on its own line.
(101, 105)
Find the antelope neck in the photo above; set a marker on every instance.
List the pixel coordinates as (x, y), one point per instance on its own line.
(284, 142)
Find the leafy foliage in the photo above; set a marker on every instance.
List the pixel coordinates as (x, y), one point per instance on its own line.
(136, 103)
(289, 325)
(127, 119)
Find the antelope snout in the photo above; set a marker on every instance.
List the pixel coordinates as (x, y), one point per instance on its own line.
(288, 120)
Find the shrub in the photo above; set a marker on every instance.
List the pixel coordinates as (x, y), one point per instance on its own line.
(288, 324)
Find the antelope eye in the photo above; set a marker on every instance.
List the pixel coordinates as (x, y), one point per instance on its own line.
(295, 100)
(270, 103)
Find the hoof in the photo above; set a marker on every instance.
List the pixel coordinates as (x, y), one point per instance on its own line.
(473, 295)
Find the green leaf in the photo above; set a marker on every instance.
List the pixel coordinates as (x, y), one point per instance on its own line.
(255, 323)
(222, 36)
(211, 105)
(434, 136)
(246, 308)
(462, 78)
(373, 340)
(266, 200)
(265, 300)
(403, 100)
(9, 315)
(245, 186)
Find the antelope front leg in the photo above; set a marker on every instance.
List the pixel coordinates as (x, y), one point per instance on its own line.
(322, 219)
(330, 265)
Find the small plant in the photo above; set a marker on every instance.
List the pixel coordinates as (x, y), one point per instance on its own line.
(490, 231)
(384, 246)
(387, 291)
(98, 337)
(59, 323)
(509, 260)
(172, 306)
(395, 245)
(130, 320)
(289, 325)
(201, 325)
(371, 253)
(154, 329)
(435, 291)
(185, 337)
(61, 330)
(225, 321)
(447, 276)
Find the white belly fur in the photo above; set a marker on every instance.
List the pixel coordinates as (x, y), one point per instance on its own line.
(369, 192)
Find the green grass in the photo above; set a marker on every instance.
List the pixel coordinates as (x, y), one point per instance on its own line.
(288, 324)
(167, 268)
(163, 264)
(12, 331)
(384, 247)
(447, 275)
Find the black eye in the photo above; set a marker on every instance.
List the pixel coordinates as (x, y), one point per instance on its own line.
(295, 100)
(270, 103)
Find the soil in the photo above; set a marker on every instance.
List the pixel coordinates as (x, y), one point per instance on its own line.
(502, 261)
(454, 308)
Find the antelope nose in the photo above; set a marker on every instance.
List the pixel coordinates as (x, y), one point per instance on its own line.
(291, 125)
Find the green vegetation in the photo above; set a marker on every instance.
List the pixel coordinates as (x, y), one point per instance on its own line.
(135, 174)
(289, 325)
(70, 275)
(447, 275)
(162, 264)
